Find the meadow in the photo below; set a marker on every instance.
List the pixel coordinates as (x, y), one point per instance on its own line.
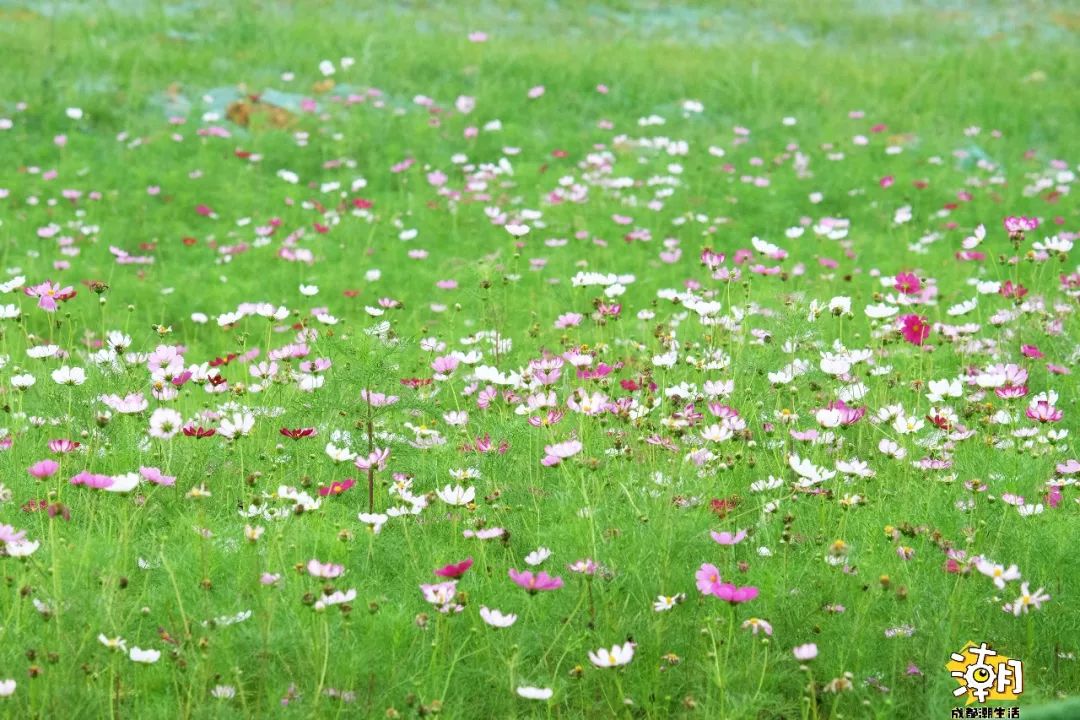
(535, 359)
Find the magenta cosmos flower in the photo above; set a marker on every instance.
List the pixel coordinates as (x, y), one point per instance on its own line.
(1019, 224)
(914, 329)
(907, 283)
(732, 594)
(455, 570)
(535, 583)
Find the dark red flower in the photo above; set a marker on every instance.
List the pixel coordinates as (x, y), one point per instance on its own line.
(297, 433)
(197, 431)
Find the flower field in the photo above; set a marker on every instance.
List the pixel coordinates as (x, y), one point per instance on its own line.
(595, 360)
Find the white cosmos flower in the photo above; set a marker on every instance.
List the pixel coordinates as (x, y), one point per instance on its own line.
(7, 687)
(616, 656)
(828, 417)
(854, 467)
(941, 389)
(123, 483)
(21, 382)
(537, 556)
(237, 424)
(165, 423)
(144, 656)
(495, 618)
(892, 449)
(69, 376)
(834, 364)
(456, 495)
(717, 433)
(975, 238)
(23, 548)
(339, 454)
(840, 305)
(374, 520)
(532, 693)
(1054, 244)
(906, 424)
(116, 643)
(963, 308)
(880, 311)
(809, 471)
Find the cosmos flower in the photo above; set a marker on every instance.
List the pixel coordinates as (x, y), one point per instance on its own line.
(617, 656)
(456, 495)
(336, 487)
(726, 538)
(707, 576)
(69, 376)
(663, 603)
(732, 594)
(455, 570)
(497, 619)
(43, 469)
(535, 583)
(756, 625)
(914, 329)
(998, 573)
(534, 693)
(324, 570)
(116, 643)
(237, 425)
(806, 652)
(1026, 600)
(147, 657)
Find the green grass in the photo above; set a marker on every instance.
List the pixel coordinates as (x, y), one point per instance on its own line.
(155, 564)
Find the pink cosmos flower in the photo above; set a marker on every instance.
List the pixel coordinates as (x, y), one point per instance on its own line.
(48, 293)
(914, 329)
(377, 399)
(583, 567)
(1043, 411)
(560, 451)
(805, 652)
(535, 583)
(726, 538)
(376, 459)
(455, 570)
(1069, 467)
(63, 446)
(1017, 225)
(9, 534)
(92, 480)
(732, 594)
(324, 570)
(43, 469)
(154, 475)
(707, 576)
